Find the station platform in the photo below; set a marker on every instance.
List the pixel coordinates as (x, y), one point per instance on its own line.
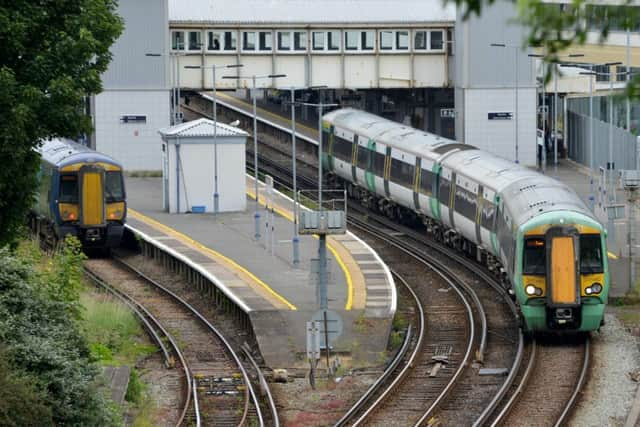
(259, 275)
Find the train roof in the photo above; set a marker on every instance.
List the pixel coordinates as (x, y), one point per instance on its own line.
(526, 192)
(62, 152)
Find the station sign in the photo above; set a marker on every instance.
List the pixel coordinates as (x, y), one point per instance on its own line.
(448, 113)
(501, 116)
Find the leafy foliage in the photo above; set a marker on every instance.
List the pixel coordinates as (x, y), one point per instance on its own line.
(43, 347)
(553, 30)
(52, 54)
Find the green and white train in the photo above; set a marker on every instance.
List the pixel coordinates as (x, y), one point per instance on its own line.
(534, 230)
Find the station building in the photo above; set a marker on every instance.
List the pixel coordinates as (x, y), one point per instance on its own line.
(417, 62)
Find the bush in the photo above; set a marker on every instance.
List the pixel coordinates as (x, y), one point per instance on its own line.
(42, 341)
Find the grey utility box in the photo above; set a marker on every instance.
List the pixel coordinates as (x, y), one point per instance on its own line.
(325, 222)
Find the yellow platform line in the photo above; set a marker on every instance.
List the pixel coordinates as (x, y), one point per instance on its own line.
(266, 112)
(214, 253)
(349, 304)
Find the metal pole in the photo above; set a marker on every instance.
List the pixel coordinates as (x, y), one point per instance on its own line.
(177, 177)
(295, 240)
(610, 165)
(178, 115)
(517, 118)
(215, 146)
(555, 115)
(544, 119)
(632, 212)
(628, 69)
(174, 91)
(255, 159)
(320, 155)
(592, 200)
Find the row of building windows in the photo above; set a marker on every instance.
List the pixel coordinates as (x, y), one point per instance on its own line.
(321, 41)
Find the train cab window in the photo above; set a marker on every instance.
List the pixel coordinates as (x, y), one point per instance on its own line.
(444, 190)
(590, 254)
(534, 257)
(113, 187)
(68, 188)
(402, 173)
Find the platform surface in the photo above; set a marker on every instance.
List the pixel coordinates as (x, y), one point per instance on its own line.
(279, 296)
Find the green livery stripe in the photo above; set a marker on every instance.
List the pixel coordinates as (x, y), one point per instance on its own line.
(433, 201)
(369, 177)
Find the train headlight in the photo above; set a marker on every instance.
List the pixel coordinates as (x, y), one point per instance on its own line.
(596, 288)
(532, 290)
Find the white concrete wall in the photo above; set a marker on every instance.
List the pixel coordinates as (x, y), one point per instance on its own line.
(498, 136)
(137, 145)
(197, 177)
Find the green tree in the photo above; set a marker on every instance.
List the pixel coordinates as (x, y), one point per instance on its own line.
(52, 53)
(554, 30)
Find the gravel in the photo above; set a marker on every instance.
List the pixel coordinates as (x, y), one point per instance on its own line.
(610, 392)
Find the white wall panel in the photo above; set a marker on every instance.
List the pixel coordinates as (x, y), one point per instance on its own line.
(395, 70)
(360, 71)
(295, 69)
(430, 71)
(221, 60)
(498, 136)
(136, 145)
(326, 70)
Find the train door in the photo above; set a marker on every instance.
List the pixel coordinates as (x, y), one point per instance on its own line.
(387, 171)
(562, 266)
(416, 185)
(354, 159)
(446, 181)
(92, 208)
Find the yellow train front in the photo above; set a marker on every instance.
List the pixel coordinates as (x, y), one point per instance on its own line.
(81, 193)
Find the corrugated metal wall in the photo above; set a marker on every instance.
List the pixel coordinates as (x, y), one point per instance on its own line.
(624, 143)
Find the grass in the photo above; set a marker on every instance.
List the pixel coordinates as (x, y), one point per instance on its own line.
(144, 174)
(112, 331)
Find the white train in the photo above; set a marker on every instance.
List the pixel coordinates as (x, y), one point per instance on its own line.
(550, 248)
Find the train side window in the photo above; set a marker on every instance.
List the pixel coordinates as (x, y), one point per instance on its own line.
(378, 164)
(342, 149)
(363, 157)
(590, 254)
(426, 182)
(402, 173)
(113, 187)
(68, 188)
(487, 215)
(534, 259)
(465, 203)
(444, 190)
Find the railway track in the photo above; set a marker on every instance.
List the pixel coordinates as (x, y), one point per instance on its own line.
(219, 381)
(485, 401)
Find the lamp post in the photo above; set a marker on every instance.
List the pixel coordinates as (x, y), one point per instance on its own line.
(296, 239)
(213, 68)
(255, 140)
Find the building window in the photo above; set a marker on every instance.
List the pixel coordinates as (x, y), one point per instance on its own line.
(284, 40)
(402, 40)
(195, 40)
(177, 40)
(317, 40)
(386, 40)
(602, 73)
(351, 40)
(333, 40)
(265, 40)
(437, 40)
(230, 40)
(300, 40)
(367, 40)
(249, 40)
(420, 40)
(214, 40)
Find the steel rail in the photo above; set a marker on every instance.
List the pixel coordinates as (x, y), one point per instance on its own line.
(516, 394)
(139, 309)
(448, 277)
(375, 387)
(264, 385)
(250, 394)
(578, 388)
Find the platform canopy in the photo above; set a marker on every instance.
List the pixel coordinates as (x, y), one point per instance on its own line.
(200, 128)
